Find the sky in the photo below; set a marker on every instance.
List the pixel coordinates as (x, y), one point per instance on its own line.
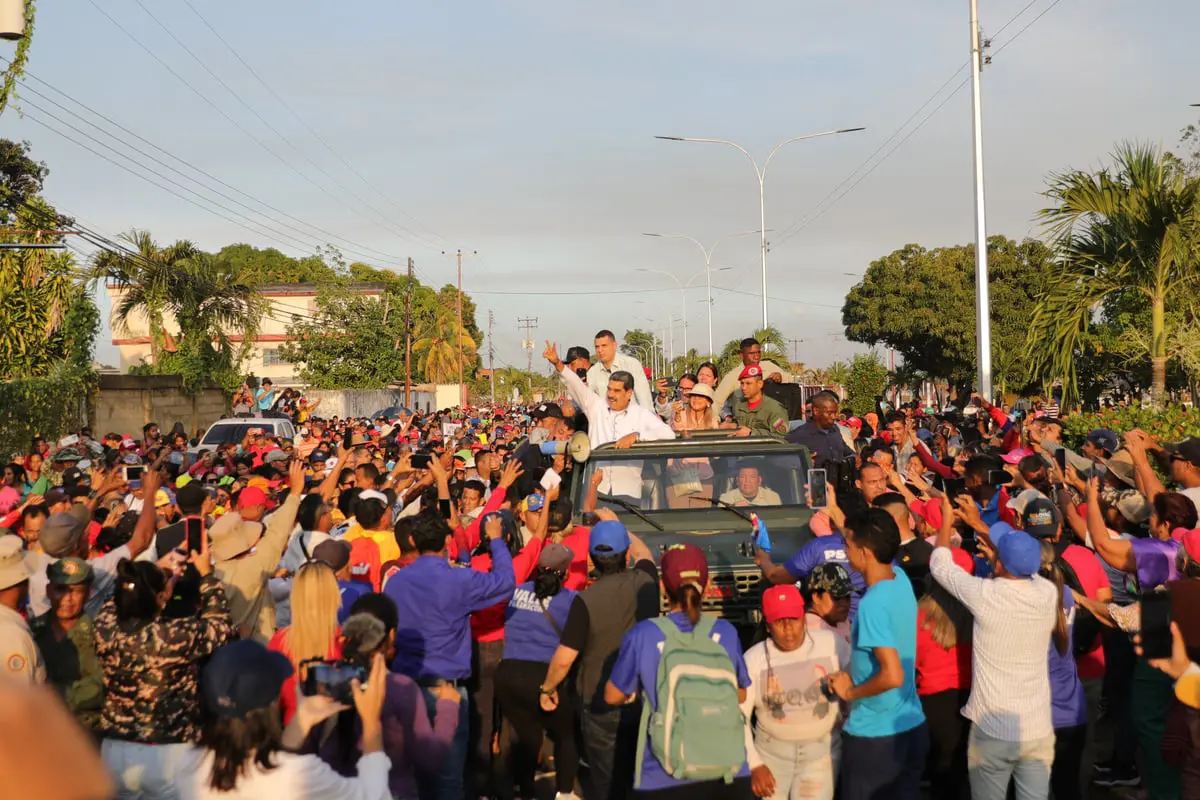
(524, 131)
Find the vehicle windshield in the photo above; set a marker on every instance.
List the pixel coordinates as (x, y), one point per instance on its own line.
(233, 432)
(661, 483)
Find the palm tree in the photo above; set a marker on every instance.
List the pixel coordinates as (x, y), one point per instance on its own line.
(774, 348)
(438, 342)
(837, 373)
(150, 277)
(212, 301)
(1131, 228)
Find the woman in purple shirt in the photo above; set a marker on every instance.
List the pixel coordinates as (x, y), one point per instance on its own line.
(1069, 707)
(534, 621)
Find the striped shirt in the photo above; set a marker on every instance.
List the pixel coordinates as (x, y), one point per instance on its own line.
(1010, 690)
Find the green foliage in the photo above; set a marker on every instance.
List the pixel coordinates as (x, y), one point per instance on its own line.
(867, 378)
(508, 378)
(1131, 230)
(774, 348)
(642, 345)
(921, 303)
(21, 179)
(1170, 424)
(268, 265)
(49, 405)
(352, 341)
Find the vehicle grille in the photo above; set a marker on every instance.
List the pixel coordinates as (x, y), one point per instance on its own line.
(736, 596)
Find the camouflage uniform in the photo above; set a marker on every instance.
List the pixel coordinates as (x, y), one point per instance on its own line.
(151, 669)
(71, 666)
(768, 418)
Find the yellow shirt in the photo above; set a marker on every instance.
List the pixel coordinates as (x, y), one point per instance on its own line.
(385, 540)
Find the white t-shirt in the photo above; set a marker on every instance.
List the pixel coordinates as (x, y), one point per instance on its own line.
(295, 777)
(1192, 494)
(798, 710)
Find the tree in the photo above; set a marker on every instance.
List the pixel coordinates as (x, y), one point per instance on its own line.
(351, 342)
(644, 346)
(921, 303)
(441, 343)
(149, 276)
(867, 379)
(268, 265)
(1132, 228)
(21, 178)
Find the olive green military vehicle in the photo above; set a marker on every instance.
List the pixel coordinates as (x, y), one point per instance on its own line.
(702, 490)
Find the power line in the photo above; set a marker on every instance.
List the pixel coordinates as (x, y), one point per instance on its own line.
(837, 193)
(382, 220)
(307, 127)
(393, 258)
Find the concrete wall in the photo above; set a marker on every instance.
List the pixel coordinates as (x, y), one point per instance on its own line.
(364, 403)
(124, 403)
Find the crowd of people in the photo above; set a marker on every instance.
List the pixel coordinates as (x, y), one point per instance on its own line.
(410, 607)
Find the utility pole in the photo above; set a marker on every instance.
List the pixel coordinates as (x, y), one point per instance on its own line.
(462, 385)
(795, 343)
(530, 325)
(492, 353)
(983, 323)
(408, 337)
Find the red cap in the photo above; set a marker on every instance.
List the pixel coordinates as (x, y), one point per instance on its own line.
(854, 422)
(928, 510)
(753, 371)
(963, 559)
(683, 565)
(783, 602)
(1191, 544)
(251, 496)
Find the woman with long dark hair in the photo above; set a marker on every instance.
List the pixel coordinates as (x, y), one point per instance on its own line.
(533, 626)
(151, 666)
(245, 752)
(684, 573)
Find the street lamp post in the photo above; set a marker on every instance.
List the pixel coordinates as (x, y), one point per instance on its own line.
(708, 270)
(761, 174)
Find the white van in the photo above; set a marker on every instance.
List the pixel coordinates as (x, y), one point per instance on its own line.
(234, 430)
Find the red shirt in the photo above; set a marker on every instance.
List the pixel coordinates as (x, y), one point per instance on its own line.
(939, 669)
(487, 625)
(577, 573)
(1092, 578)
(287, 694)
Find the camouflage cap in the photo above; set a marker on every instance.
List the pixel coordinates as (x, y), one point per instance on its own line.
(831, 578)
(69, 572)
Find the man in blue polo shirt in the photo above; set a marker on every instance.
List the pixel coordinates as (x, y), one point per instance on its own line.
(433, 643)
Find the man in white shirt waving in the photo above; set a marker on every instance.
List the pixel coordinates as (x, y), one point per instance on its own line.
(615, 420)
(610, 361)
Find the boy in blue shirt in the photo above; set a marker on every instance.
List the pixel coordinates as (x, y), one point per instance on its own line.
(886, 728)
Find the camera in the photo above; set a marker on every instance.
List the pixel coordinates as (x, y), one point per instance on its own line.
(332, 679)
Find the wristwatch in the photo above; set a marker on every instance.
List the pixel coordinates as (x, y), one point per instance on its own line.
(546, 691)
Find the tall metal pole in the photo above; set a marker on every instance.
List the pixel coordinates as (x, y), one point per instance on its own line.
(983, 323)
(462, 383)
(492, 353)
(762, 226)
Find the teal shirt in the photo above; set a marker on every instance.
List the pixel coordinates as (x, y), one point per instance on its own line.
(887, 617)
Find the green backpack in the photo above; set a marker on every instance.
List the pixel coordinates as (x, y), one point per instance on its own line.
(696, 733)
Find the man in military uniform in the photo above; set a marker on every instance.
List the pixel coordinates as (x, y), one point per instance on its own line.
(19, 657)
(754, 413)
(66, 638)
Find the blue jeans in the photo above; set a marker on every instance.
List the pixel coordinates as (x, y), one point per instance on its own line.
(992, 762)
(802, 770)
(447, 783)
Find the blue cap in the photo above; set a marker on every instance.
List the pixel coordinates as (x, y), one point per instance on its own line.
(1104, 439)
(608, 536)
(535, 502)
(243, 676)
(1019, 552)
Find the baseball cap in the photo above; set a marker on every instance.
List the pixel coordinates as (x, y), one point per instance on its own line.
(362, 633)
(60, 534)
(783, 602)
(535, 502)
(552, 410)
(67, 456)
(753, 371)
(1041, 518)
(69, 572)
(243, 676)
(608, 536)
(1019, 552)
(1190, 542)
(251, 496)
(182, 481)
(556, 557)
(161, 498)
(1188, 450)
(275, 455)
(191, 494)
(333, 552)
(1015, 456)
(831, 578)
(230, 536)
(1104, 439)
(71, 476)
(683, 565)
(963, 559)
(53, 497)
(12, 561)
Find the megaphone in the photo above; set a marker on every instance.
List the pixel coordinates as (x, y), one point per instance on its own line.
(577, 447)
